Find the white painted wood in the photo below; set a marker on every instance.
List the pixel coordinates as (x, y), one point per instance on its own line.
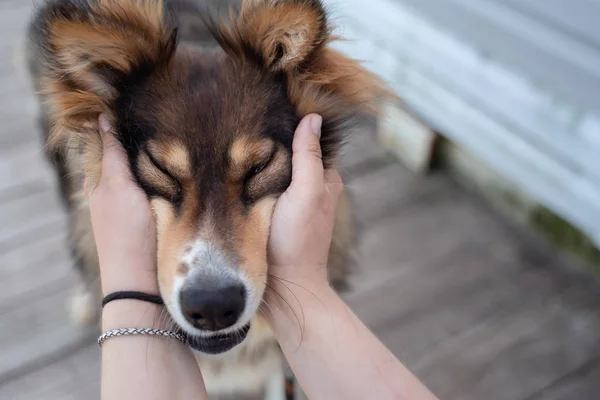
(276, 388)
(526, 132)
(532, 44)
(406, 137)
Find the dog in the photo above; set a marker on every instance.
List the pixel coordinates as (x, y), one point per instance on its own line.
(206, 109)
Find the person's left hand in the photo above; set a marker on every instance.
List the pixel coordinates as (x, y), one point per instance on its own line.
(123, 223)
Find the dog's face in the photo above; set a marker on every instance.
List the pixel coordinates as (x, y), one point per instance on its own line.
(208, 132)
(211, 142)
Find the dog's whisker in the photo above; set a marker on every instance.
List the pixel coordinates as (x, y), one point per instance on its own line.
(282, 280)
(301, 325)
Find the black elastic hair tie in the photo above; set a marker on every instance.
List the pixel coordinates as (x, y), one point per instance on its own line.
(151, 298)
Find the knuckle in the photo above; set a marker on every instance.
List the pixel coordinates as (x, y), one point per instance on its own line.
(315, 149)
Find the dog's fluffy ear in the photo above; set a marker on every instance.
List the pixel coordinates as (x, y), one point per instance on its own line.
(99, 44)
(282, 34)
(277, 34)
(89, 50)
(291, 37)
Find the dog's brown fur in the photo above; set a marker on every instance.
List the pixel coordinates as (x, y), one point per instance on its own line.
(207, 131)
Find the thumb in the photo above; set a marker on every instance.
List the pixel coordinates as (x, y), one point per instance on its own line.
(114, 159)
(115, 166)
(307, 163)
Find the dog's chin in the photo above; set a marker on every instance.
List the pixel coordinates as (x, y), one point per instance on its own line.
(219, 343)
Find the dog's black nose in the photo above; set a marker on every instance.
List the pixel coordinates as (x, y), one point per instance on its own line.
(212, 307)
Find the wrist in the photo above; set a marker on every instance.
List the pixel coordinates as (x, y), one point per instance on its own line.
(116, 276)
(129, 285)
(131, 313)
(290, 292)
(294, 312)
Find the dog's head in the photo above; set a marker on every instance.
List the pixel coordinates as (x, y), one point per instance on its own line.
(208, 132)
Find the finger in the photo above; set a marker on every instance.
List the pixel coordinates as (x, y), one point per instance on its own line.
(307, 163)
(114, 159)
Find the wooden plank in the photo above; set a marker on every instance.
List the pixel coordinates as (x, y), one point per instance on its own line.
(14, 66)
(28, 165)
(419, 231)
(581, 384)
(382, 191)
(14, 14)
(12, 39)
(378, 192)
(24, 218)
(10, 4)
(52, 225)
(31, 267)
(416, 312)
(515, 355)
(361, 148)
(19, 135)
(29, 199)
(19, 116)
(75, 377)
(18, 87)
(27, 209)
(38, 330)
(26, 189)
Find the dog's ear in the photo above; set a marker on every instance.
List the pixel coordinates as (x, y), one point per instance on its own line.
(89, 51)
(282, 34)
(291, 37)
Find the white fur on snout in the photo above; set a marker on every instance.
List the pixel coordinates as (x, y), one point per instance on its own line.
(204, 258)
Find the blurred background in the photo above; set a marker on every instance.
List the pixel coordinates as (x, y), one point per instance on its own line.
(477, 202)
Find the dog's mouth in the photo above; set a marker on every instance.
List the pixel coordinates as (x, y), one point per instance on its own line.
(219, 343)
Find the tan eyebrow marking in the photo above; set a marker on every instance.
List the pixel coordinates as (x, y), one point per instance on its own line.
(174, 158)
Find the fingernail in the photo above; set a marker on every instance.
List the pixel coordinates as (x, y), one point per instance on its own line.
(315, 123)
(104, 123)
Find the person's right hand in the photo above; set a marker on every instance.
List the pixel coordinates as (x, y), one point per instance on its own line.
(303, 220)
(124, 228)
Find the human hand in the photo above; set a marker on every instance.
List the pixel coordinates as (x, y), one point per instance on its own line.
(123, 224)
(303, 220)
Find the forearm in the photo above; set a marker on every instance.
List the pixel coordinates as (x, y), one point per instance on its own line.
(337, 357)
(142, 366)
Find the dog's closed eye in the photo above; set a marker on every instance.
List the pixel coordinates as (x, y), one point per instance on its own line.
(259, 166)
(268, 178)
(157, 179)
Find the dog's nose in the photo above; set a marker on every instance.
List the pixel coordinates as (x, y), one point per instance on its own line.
(213, 307)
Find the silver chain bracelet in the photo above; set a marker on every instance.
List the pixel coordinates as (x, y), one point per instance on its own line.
(139, 331)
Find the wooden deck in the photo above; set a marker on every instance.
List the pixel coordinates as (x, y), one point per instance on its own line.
(470, 304)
